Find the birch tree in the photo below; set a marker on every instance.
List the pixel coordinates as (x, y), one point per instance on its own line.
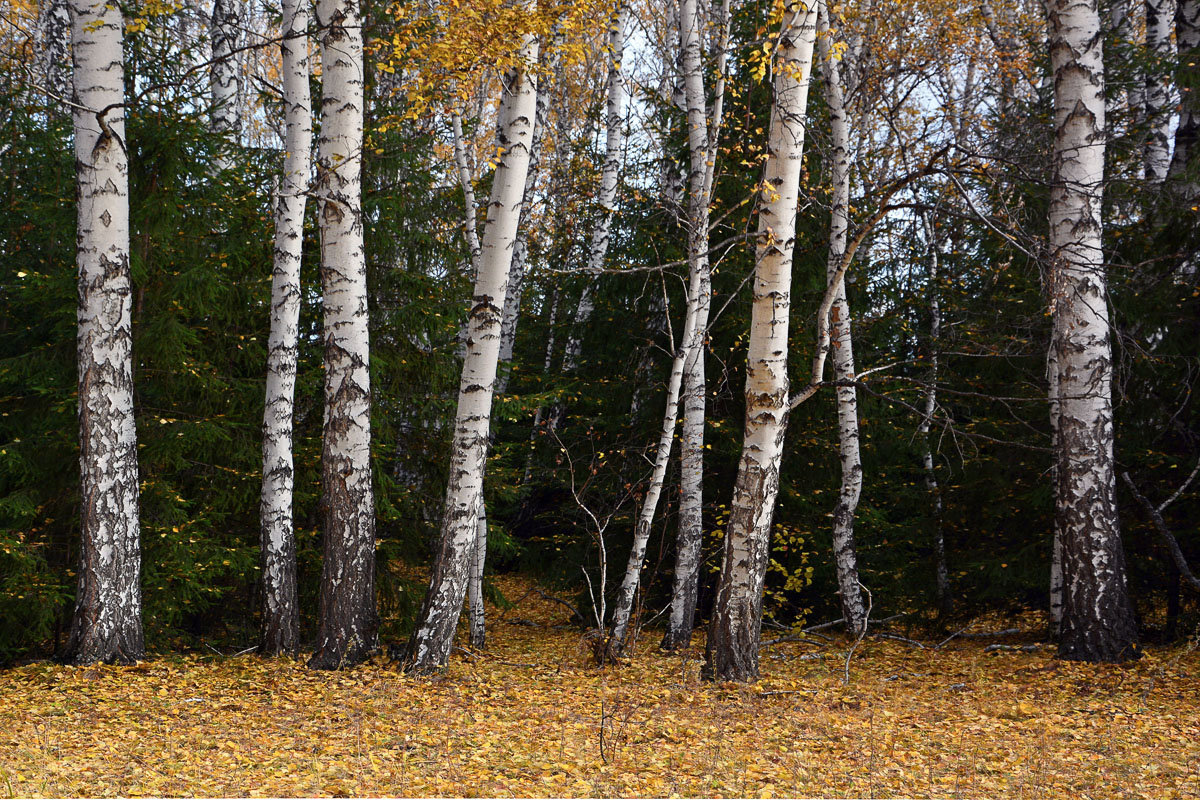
(844, 552)
(614, 140)
(689, 357)
(53, 56)
(223, 76)
(346, 632)
(1097, 621)
(731, 652)
(703, 134)
(107, 623)
(281, 612)
(1157, 97)
(429, 648)
(942, 575)
(1185, 162)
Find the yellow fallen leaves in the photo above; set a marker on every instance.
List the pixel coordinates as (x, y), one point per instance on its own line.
(531, 717)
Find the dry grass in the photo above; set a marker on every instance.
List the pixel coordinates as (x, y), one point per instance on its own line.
(533, 717)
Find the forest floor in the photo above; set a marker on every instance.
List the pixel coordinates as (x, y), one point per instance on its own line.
(532, 717)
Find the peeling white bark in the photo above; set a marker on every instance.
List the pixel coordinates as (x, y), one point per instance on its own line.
(107, 623)
(433, 637)
(1097, 623)
(732, 648)
(281, 611)
(347, 624)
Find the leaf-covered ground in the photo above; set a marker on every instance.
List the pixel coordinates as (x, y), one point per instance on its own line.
(533, 717)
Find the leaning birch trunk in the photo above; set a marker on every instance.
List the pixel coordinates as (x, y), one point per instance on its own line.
(731, 652)
(281, 610)
(223, 79)
(51, 64)
(1098, 622)
(854, 611)
(520, 258)
(702, 132)
(627, 593)
(347, 625)
(429, 648)
(1185, 162)
(1160, 16)
(107, 623)
(941, 573)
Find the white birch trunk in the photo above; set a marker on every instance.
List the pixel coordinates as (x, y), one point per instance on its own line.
(845, 554)
(1160, 14)
(520, 260)
(1185, 162)
(347, 625)
(478, 631)
(281, 611)
(614, 142)
(107, 623)
(614, 137)
(942, 574)
(1056, 566)
(51, 65)
(1098, 623)
(224, 79)
(433, 637)
(731, 652)
(702, 134)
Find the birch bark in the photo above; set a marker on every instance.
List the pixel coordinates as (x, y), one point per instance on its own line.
(346, 632)
(614, 142)
(942, 574)
(429, 648)
(845, 553)
(1098, 623)
(1160, 15)
(223, 77)
(107, 623)
(1185, 162)
(731, 652)
(281, 612)
(54, 50)
(703, 131)
(689, 357)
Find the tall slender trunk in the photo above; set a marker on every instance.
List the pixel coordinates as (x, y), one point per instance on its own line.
(690, 344)
(348, 623)
(614, 143)
(52, 60)
(703, 130)
(845, 553)
(107, 624)
(1098, 622)
(941, 573)
(433, 636)
(281, 610)
(1185, 162)
(1160, 15)
(731, 652)
(224, 79)
(478, 631)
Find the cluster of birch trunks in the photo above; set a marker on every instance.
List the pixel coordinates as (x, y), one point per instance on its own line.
(1092, 610)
